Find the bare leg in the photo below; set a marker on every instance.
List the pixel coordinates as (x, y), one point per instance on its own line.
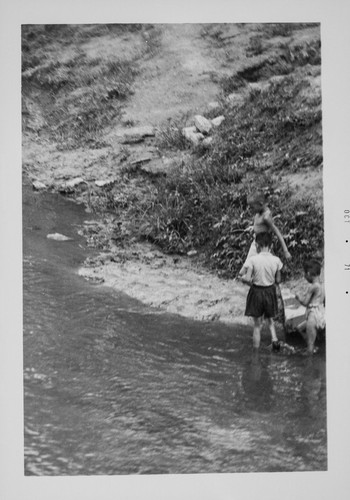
(257, 332)
(311, 333)
(272, 329)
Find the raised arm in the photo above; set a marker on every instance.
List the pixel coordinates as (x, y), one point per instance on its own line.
(269, 221)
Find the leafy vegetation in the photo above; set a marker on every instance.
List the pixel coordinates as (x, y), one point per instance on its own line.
(207, 211)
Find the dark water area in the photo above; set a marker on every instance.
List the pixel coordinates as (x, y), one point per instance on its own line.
(114, 387)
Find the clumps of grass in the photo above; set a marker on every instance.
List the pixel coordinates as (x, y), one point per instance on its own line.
(192, 212)
(170, 137)
(151, 38)
(78, 122)
(298, 54)
(80, 71)
(289, 58)
(188, 203)
(214, 31)
(36, 36)
(83, 96)
(280, 29)
(48, 74)
(255, 46)
(270, 120)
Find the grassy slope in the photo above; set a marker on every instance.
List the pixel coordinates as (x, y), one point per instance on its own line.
(272, 132)
(81, 93)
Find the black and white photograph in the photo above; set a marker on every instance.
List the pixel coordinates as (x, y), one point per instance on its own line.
(177, 287)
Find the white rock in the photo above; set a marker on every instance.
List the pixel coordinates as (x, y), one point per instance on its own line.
(259, 86)
(191, 253)
(213, 105)
(137, 134)
(218, 120)
(207, 141)
(58, 237)
(74, 182)
(142, 159)
(202, 124)
(155, 167)
(38, 185)
(235, 98)
(102, 183)
(91, 222)
(191, 135)
(188, 130)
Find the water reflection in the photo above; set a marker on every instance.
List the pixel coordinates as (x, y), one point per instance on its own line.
(257, 383)
(113, 387)
(314, 384)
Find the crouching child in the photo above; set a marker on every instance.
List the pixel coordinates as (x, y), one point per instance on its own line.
(263, 272)
(313, 300)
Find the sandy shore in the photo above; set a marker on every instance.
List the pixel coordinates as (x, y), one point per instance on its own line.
(174, 284)
(180, 285)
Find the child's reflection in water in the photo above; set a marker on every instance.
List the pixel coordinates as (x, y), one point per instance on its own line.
(313, 388)
(257, 384)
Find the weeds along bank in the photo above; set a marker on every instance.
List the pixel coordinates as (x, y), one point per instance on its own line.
(203, 204)
(270, 139)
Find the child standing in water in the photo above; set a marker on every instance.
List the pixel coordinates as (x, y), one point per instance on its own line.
(263, 271)
(313, 300)
(263, 223)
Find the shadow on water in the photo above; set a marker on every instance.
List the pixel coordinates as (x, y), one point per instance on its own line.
(114, 387)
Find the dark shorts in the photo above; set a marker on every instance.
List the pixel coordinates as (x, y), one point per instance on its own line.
(262, 301)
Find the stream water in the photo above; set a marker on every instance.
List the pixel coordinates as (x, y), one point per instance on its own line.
(114, 387)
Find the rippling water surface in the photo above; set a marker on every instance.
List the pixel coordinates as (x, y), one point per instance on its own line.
(113, 387)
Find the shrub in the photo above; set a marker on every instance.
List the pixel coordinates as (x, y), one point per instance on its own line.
(215, 220)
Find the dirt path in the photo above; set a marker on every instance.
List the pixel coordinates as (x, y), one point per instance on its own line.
(177, 80)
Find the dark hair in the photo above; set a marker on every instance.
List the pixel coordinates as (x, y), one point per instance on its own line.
(263, 239)
(313, 267)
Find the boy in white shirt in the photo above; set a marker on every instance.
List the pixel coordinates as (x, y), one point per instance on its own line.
(263, 272)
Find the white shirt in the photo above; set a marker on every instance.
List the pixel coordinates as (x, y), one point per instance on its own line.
(264, 267)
